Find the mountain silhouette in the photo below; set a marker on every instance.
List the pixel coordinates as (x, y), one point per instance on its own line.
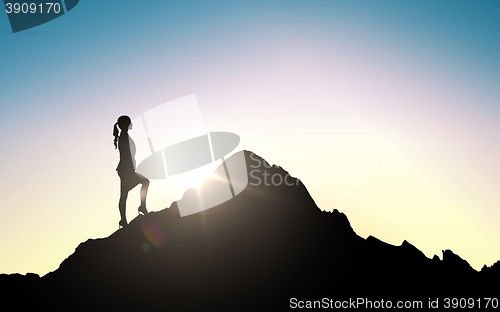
(254, 252)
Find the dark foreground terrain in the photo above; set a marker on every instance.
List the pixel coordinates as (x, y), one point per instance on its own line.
(254, 252)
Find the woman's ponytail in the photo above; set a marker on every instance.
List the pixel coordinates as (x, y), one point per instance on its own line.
(123, 123)
(115, 133)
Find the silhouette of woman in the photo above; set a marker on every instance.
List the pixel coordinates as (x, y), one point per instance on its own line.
(126, 168)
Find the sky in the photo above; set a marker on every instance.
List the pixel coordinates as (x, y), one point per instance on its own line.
(388, 111)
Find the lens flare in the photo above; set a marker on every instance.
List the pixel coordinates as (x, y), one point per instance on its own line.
(154, 234)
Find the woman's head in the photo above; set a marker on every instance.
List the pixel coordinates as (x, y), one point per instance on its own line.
(124, 123)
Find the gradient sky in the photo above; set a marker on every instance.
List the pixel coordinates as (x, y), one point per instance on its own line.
(318, 87)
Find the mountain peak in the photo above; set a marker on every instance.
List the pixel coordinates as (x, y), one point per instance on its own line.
(270, 243)
(452, 260)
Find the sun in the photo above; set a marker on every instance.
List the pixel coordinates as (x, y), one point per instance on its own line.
(190, 179)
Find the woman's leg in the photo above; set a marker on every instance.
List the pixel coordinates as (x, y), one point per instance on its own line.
(122, 205)
(126, 184)
(144, 192)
